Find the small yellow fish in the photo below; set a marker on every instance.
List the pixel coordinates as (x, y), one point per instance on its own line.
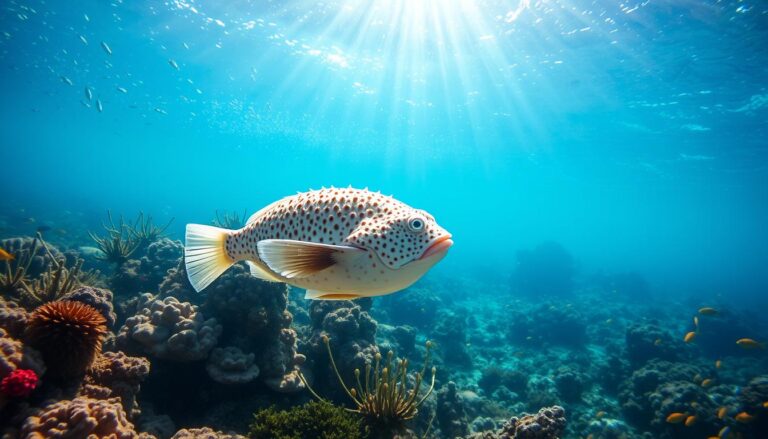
(696, 322)
(744, 417)
(600, 414)
(718, 364)
(690, 420)
(765, 404)
(609, 321)
(748, 343)
(676, 418)
(724, 432)
(707, 311)
(657, 342)
(5, 256)
(689, 337)
(707, 383)
(722, 412)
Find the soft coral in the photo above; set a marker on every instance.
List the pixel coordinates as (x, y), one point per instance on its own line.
(19, 383)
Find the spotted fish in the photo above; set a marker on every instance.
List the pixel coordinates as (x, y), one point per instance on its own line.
(336, 243)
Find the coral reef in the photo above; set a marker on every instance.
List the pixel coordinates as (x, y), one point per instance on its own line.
(451, 416)
(170, 330)
(231, 365)
(114, 374)
(312, 420)
(68, 334)
(548, 423)
(135, 276)
(98, 298)
(13, 317)
(352, 332)
(81, 417)
(14, 355)
(204, 433)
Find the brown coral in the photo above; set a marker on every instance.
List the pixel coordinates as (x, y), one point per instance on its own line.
(114, 374)
(80, 418)
(68, 334)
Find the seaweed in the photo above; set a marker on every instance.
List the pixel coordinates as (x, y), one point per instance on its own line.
(119, 243)
(312, 420)
(145, 231)
(15, 273)
(382, 397)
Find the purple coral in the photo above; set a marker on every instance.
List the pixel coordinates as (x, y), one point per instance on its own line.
(98, 298)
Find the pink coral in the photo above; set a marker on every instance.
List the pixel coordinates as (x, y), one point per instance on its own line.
(80, 418)
(19, 383)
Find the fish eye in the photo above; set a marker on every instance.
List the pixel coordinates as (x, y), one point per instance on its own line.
(416, 224)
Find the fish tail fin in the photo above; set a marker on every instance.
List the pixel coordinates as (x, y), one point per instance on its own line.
(205, 254)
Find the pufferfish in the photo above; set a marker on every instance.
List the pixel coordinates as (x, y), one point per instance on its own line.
(336, 243)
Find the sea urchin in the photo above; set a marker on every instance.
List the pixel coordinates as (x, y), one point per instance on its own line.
(68, 334)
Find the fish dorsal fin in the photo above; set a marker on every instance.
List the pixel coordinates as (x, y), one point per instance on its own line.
(298, 259)
(323, 295)
(256, 215)
(261, 273)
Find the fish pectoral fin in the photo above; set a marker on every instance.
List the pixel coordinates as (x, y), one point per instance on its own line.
(323, 295)
(298, 259)
(261, 273)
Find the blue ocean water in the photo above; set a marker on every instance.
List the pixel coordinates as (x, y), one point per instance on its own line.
(631, 133)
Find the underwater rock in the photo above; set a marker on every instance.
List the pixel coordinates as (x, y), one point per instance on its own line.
(548, 423)
(98, 298)
(204, 433)
(170, 330)
(755, 394)
(13, 318)
(81, 417)
(545, 271)
(451, 416)
(114, 374)
(231, 365)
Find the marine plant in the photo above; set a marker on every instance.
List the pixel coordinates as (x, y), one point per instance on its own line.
(382, 396)
(230, 220)
(68, 334)
(54, 283)
(119, 243)
(144, 231)
(13, 277)
(312, 420)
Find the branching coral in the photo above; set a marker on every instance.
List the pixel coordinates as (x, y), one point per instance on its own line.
(52, 285)
(383, 396)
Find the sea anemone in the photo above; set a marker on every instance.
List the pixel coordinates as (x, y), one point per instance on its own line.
(68, 334)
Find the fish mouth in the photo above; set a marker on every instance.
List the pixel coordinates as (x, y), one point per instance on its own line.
(440, 245)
